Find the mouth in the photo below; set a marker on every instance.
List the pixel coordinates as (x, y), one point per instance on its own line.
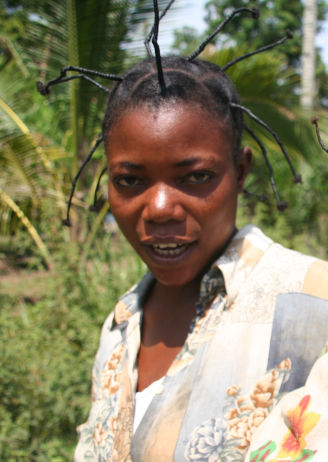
(169, 253)
(169, 249)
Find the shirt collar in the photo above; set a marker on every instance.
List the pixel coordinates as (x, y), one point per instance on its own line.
(132, 301)
(240, 258)
(225, 275)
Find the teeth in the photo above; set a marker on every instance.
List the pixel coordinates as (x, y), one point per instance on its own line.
(167, 246)
(169, 249)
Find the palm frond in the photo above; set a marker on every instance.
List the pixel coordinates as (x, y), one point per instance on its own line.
(7, 200)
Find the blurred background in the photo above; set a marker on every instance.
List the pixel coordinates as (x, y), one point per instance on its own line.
(59, 284)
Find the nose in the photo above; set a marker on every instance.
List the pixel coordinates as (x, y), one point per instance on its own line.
(163, 204)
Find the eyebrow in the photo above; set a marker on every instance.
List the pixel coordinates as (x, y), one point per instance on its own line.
(130, 165)
(183, 163)
(188, 162)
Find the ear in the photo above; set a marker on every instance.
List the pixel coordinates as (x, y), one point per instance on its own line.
(244, 163)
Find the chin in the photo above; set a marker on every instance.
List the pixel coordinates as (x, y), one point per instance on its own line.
(174, 277)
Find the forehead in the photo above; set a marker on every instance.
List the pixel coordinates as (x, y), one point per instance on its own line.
(171, 131)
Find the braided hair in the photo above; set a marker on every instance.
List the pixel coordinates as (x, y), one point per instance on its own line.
(198, 81)
(177, 80)
(315, 123)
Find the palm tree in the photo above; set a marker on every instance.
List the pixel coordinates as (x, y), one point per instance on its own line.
(35, 133)
(308, 89)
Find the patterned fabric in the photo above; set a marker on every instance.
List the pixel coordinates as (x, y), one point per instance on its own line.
(297, 429)
(229, 395)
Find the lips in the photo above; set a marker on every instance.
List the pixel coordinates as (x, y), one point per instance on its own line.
(169, 249)
(168, 252)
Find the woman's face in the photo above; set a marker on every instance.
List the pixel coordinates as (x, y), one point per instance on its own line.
(173, 187)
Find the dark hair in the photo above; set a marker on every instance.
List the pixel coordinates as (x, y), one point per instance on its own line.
(315, 123)
(199, 82)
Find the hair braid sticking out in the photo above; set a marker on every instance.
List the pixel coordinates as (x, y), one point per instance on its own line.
(315, 123)
(198, 82)
(156, 81)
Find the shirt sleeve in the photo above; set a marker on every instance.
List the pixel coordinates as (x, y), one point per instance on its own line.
(88, 431)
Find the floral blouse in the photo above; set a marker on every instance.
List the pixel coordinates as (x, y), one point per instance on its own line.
(241, 388)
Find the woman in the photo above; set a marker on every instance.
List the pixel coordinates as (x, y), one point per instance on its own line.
(196, 356)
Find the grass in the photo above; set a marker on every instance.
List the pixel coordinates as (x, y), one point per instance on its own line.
(49, 331)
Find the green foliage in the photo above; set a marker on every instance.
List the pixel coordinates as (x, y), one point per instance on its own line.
(270, 92)
(275, 17)
(28, 160)
(43, 139)
(42, 379)
(48, 339)
(304, 225)
(186, 41)
(58, 33)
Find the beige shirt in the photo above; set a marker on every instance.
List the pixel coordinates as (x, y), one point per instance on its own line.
(262, 320)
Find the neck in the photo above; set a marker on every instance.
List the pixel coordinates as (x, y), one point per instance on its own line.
(166, 301)
(173, 294)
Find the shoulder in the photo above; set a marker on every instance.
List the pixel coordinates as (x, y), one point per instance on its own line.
(256, 250)
(299, 272)
(114, 331)
(132, 300)
(313, 272)
(316, 279)
(127, 305)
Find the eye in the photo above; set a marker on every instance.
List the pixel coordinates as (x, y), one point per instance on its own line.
(199, 177)
(128, 181)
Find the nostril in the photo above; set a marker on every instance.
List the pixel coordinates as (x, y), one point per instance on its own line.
(164, 212)
(163, 215)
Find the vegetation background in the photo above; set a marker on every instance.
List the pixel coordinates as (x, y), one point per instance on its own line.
(59, 284)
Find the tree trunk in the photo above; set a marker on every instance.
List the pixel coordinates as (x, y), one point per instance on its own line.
(308, 54)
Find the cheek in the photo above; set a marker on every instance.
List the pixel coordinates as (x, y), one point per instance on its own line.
(122, 213)
(219, 210)
(224, 196)
(125, 212)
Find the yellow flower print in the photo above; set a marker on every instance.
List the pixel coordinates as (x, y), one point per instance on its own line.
(122, 313)
(99, 435)
(110, 383)
(301, 423)
(110, 380)
(243, 427)
(115, 358)
(265, 390)
(232, 391)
